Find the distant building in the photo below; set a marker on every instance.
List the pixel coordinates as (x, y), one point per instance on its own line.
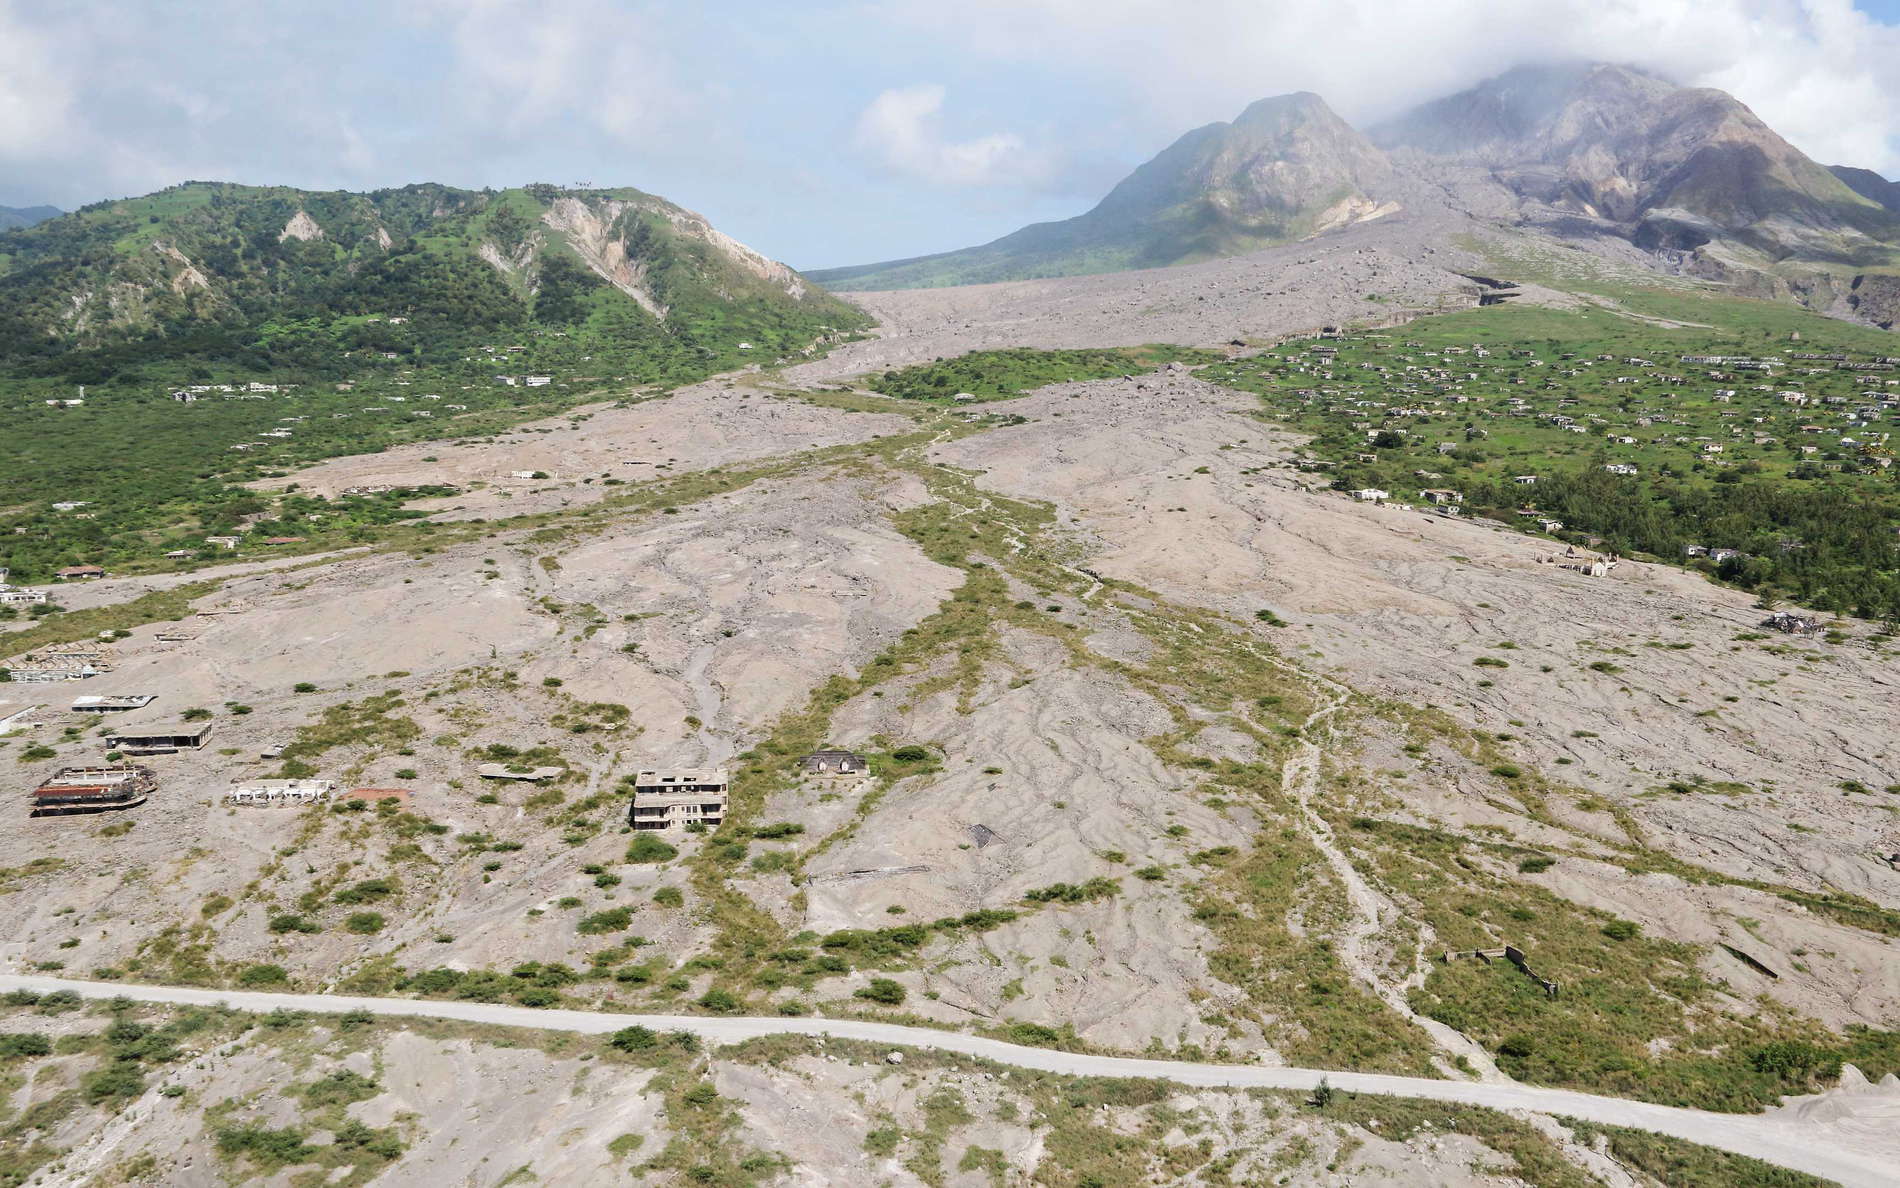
(93, 790)
(160, 740)
(686, 796)
(275, 793)
(834, 763)
(113, 705)
(80, 573)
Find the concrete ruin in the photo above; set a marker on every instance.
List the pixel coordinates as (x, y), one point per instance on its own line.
(277, 793)
(160, 740)
(685, 796)
(73, 790)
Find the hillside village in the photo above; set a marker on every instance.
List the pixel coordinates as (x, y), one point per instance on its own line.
(1493, 425)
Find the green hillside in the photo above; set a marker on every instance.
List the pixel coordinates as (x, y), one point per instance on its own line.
(196, 272)
(364, 320)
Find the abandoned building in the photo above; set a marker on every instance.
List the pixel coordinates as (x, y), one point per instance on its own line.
(834, 763)
(280, 792)
(501, 771)
(1793, 623)
(113, 704)
(160, 740)
(683, 796)
(93, 790)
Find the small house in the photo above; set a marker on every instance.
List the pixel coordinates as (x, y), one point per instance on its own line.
(80, 573)
(834, 763)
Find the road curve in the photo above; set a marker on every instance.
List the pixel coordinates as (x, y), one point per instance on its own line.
(1782, 1143)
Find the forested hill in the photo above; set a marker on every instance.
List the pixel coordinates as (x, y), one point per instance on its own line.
(211, 271)
(25, 216)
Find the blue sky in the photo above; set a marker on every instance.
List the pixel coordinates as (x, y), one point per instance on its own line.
(831, 131)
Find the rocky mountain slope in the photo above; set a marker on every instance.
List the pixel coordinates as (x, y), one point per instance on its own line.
(1670, 167)
(1286, 169)
(1599, 156)
(211, 255)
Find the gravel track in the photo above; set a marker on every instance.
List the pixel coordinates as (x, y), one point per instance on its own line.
(1785, 1144)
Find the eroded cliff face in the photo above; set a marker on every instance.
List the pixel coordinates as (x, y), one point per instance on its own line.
(1876, 298)
(593, 231)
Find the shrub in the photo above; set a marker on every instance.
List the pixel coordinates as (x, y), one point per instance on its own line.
(364, 923)
(882, 990)
(16, 1046)
(781, 829)
(366, 891)
(1535, 864)
(1622, 930)
(910, 754)
(1509, 771)
(121, 1078)
(340, 1087)
(303, 687)
(1096, 888)
(720, 1000)
(647, 848)
(270, 1148)
(669, 897)
(283, 924)
(263, 975)
(633, 1039)
(610, 920)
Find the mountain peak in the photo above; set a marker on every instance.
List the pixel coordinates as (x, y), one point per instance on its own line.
(1287, 168)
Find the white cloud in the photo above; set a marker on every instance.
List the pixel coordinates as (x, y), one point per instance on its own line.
(1820, 72)
(522, 64)
(35, 96)
(903, 130)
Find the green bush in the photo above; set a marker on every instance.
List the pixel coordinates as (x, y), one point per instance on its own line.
(14, 1046)
(881, 990)
(647, 848)
(910, 754)
(717, 999)
(268, 1148)
(610, 920)
(367, 891)
(364, 923)
(263, 975)
(633, 1039)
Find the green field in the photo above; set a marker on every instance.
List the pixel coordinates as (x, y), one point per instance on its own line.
(1007, 374)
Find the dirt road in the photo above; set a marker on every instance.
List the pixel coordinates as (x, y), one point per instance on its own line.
(1776, 1142)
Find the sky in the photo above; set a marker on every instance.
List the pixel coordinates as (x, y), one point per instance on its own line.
(831, 132)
